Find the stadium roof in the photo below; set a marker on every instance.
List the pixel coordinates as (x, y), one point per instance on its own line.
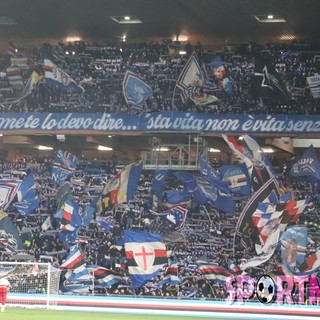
(209, 21)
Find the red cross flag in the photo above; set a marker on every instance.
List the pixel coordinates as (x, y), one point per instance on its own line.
(146, 254)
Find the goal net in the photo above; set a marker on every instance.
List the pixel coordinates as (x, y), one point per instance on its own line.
(32, 284)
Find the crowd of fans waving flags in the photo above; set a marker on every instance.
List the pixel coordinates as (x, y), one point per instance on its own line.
(263, 226)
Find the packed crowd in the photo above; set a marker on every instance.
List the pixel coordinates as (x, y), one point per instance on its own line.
(100, 68)
(207, 237)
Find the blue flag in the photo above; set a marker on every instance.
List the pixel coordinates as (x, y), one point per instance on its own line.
(176, 215)
(146, 254)
(181, 198)
(307, 166)
(159, 182)
(8, 190)
(237, 178)
(208, 193)
(71, 222)
(135, 91)
(190, 78)
(10, 238)
(57, 78)
(64, 165)
(27, 197)
(212, 177)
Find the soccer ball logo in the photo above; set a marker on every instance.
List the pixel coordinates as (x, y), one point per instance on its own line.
(266, 289)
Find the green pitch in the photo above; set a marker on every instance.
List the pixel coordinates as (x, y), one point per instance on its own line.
(29, 314)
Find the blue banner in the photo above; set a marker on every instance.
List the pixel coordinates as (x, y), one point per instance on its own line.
(159, 121)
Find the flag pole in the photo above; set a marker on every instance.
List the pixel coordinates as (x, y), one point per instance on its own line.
(173, 95)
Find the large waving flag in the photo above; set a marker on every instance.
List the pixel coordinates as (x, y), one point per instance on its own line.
(135, 91)
(307, 166)
(272, 219)
(246, 232)
(27, 197)
(106, 277)
(10, 239)
(192, 82)
(79, 274)
(33, 80)
(123, 186)
(74, 260)
(70, 218)
(171, 276)
(64, 165)
(159, 182)
(57, 78)
(178, 198)
(222, 74)
(214, 273)
(8, 190)
(258, 165)
(212, 177)
(146, 254)
(267, 82)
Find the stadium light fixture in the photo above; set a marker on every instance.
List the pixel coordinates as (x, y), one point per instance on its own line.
(163, 149)
(267, 150)
(126, 19)
(44, 148)
(214, 150)
(104, 148)
(270, 18)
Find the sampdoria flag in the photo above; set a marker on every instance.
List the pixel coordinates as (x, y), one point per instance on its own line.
(8, 190)
(74, 259)
(246, 231)
(57, 78)
(14, 76)
(177, 216)
(267, 82)
(258, 164)
(71, 218)
(106, 277)
(307, 165)
(272, 219)
(237, 177)
(64, 165)
(171, 275)
(191, 77)
(122, 187)
(27, 199)
(214, 273)
(135, 91)
(34, 79)
(10, 240)
(146, 254)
